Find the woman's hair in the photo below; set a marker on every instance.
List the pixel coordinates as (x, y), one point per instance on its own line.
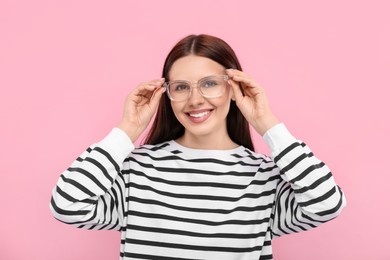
(165, 126)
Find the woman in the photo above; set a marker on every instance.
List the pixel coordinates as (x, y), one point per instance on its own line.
(196, 189)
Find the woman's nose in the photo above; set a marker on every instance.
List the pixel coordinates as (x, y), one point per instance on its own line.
(195, 96)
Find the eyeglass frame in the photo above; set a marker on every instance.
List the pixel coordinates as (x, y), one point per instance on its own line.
(166, 86)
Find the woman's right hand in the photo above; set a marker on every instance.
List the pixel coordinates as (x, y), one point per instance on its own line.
(140, 106)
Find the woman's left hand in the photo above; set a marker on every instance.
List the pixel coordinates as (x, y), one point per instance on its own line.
(252, 101)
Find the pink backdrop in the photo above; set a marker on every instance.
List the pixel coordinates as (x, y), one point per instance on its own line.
(66, 67)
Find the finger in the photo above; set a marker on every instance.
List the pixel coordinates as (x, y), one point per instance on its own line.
(243, 89)
(155, 99)
(145, 90)
(237, 94)
(153, 81)
(242, 77)
(234, 72)
(247, 82)
(249, 86)
(151, 85)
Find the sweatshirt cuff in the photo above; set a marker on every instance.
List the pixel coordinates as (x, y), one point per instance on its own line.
(278, 138)
(118, 144)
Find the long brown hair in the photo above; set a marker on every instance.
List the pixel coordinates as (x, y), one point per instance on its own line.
(165, 126)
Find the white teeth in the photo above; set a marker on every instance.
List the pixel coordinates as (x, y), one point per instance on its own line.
(200, 114)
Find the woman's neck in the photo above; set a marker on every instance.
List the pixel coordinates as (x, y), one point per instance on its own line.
(215, 142)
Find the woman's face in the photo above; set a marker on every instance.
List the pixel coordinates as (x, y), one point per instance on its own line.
(200, 116)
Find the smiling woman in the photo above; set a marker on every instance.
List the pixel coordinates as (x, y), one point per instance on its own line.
(196, 189)
(220, 56)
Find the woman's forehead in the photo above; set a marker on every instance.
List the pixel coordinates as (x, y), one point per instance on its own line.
(194, 68)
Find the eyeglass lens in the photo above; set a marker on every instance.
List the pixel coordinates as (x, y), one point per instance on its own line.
(210, 87)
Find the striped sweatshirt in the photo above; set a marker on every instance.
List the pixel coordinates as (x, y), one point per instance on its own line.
(174, 202)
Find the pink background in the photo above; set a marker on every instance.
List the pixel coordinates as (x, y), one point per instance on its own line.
(66, 67)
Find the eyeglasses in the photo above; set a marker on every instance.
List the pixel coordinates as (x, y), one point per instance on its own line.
(209, 87)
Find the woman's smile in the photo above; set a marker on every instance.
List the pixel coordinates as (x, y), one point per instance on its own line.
(199, 116)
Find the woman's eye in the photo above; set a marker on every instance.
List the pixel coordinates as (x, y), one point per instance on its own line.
(209, 84)
(181, 87)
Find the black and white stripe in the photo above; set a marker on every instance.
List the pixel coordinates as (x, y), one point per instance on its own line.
(172, 202)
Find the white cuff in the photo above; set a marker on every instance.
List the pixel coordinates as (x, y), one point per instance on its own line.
(118, 144)
(278, 138)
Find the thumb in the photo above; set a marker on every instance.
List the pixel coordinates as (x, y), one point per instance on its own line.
(237, 94)
(155, 100)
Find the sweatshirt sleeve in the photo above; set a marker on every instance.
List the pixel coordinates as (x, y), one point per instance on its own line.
(307, 194)
(90, 193)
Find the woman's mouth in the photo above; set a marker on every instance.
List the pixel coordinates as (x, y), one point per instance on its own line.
(199, 116)
(202, 114)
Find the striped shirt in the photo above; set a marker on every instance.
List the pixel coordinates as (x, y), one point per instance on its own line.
(173, 202)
